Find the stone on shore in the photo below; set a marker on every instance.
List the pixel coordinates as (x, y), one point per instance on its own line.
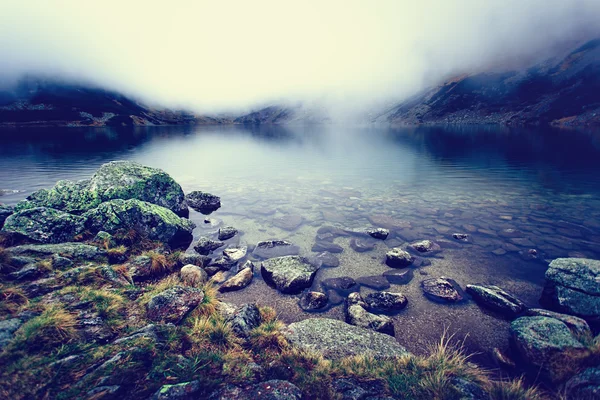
(203, 202)
(173, 304)
(238, 281)
(441, 290)
(44, 225)
(205, 246)
(496, 299)
(336, 339)
(398, 258)
(357, 315)
(289, 274)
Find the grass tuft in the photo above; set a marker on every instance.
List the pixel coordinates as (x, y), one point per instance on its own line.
(54, 327)
(514, 389)
(12, 300)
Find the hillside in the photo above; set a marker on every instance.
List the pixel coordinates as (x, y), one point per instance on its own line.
(563, 91)
(37, 102)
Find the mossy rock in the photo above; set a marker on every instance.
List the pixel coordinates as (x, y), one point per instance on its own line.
(153, 221)
(114, 180)
(44, 225)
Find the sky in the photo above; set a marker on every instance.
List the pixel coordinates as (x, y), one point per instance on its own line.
(223, 55)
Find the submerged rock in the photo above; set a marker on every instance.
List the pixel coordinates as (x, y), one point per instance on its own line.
(203, 202)
(399, 276)
(310, 301)
(322, 246)
(386, 301)
(205, 246)
(343, 284)
(227, 232)
(361, 246)
(573, 287)
(288, 222)
(328, 260)
(114, 180)
(235, 254)
(173, 304)
(543, 343)
(388, 222)
(275, 248)
(238, 281)
(336, 339)
(496, 299)
(357, 314)
(44, 225)
(463, 237)
(398, 258)
(377, 282)
(289, 274)
(155, 222)
(441, 289)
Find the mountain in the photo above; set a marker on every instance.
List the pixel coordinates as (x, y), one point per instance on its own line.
(39, 102)
(562, 91)
(285, 114)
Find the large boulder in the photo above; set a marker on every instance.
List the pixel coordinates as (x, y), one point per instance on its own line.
(73, 251)
(155, 222)
(5, 212)
(173, 304)
(584, 386)
(573, 287)
(275, 248)
(496, 299)
(577, 325)
(114, 180)
(44, 225)
(336, 339)
(289, 274)
(544, 345)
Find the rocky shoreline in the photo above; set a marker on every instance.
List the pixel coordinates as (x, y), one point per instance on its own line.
(100, 272)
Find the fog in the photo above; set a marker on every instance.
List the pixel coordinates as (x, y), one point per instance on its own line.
(214, 56)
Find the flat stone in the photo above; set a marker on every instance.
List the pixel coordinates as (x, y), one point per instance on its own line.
(288, 222)
(377, 282)
(321, 246)
(336, 339)
(441, 289)
(496, 299)
(388, 222)
(327, 260)
(361, 246)
(342, 284)
(399, 276)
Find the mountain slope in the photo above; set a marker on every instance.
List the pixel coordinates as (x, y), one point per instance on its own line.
(35, 102)
(563, 91)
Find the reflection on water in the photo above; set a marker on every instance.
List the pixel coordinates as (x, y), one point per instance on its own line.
(511, 190)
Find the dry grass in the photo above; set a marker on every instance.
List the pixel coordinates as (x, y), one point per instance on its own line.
(515, 389)
(54, 327)
(12, 300)
(208, 306)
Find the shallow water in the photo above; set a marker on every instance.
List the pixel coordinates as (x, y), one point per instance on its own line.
(545, 184)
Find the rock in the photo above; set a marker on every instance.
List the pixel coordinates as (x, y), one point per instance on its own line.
(31, 272)
(463, 237)
(269, 390)
(502, 359)
(155, 333)
(7, 329)
(543, 343)
(388, 222)
(425, 247)
(361, 246)
(336, 339)
(499, 252)
(398, 258)
(5, 212)
(573, 287)
(310, 301)
(330, 247)
(192, 275)
(74, 251)
(496, 299)
(353, 389)
(468, 390)
(357, 315)
(227, 232)
(243, 319)
(510, 233)
(288, 222)
(386, 301)
(42, 287)
(173, 304)
(399, 276)
(289, 274)
(343, 284)
(577, 325)
(377, 282)
(154, 222)
(378, 233)
(114, 180)
(235, 254)
(275, 248)
(194, 259)
(222, 263)
(585, 385)
(203, 202)
(238, 281)
(178, 391)
(61, 263)
(441, 289)
(205, 246)
(327, 260)
(44, 225)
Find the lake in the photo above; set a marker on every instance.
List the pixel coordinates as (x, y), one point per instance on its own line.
(524, 197)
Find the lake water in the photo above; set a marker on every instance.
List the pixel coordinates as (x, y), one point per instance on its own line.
(511, 190)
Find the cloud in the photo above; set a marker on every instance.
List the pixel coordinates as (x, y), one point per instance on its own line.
(220, 55)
